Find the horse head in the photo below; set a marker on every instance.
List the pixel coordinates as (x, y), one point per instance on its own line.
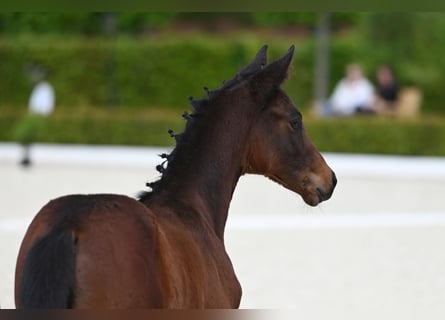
(278, 146)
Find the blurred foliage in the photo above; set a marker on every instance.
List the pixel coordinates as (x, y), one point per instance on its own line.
(126, 82)
(55, 23)
(80, 24)
(421, 136)
(285, 19)
(413, 44)
(140, 22)
(150, 72)
(97, 126)
(131, 61)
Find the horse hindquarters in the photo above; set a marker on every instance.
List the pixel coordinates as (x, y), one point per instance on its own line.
(48, 272)
(89, 251)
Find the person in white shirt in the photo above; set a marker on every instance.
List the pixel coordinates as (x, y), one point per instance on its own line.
(353, 94)
(40, 105)
(42, 99)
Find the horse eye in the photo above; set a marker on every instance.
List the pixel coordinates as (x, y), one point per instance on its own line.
(295, 123)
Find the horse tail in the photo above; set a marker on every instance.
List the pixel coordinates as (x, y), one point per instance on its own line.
(48, 272)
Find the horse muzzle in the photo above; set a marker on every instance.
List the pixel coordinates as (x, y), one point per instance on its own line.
(318, 191)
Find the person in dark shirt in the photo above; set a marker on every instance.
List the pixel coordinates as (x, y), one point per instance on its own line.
(387, 89)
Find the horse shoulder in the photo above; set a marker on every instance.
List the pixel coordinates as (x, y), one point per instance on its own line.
(196, 270)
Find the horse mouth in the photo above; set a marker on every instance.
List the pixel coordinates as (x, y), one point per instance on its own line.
(315, 198)
(312, 200)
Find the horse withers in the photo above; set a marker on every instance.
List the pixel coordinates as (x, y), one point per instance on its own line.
(165, 249)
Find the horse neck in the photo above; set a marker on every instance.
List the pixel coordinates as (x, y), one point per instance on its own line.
(207, 164)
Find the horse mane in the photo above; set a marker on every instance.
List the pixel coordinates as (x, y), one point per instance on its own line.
(200, 107)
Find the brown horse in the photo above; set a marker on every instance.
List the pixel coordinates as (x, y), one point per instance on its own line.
(166, 249)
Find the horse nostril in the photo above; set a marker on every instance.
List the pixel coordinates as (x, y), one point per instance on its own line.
(334, 180)
(322, 196)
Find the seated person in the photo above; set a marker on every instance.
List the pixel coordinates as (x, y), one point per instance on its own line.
(387, 90)
(353, 94)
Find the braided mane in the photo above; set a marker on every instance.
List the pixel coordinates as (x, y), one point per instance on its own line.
(200, 107)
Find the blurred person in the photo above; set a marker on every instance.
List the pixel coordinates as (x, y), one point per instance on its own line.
(42, 99)
(353, 94)
(387, 90)
(40, 105)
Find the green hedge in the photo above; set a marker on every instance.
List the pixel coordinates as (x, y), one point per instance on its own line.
(153, 77)
(164, 71)
(422, 136)
(136, 23)
(132, 72)
(98, 127)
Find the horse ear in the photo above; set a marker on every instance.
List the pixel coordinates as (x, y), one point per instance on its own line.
(252, 68)
(257, 63)
(275, 73)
